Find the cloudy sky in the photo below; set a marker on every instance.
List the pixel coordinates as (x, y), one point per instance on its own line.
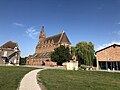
(82, 20)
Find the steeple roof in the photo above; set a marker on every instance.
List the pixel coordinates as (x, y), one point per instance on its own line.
(42, 33)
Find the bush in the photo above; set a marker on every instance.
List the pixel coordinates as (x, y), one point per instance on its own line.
(85, 67)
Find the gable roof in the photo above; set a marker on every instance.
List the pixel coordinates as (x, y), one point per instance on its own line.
(107, 47)
(9, 44)
(42, 55)
(64, 39)
(59, 38)
(55, 38)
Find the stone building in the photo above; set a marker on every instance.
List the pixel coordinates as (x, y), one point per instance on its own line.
(10, 53)
(44, 48)
(109, 58)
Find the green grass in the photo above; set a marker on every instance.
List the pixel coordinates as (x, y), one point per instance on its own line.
(79, 80)
(10, 77)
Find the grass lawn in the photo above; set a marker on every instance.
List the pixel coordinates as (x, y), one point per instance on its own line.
(79, 80)
(10, 76)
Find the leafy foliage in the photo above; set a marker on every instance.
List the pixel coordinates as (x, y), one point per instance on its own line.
(60, 55)
(84, 52)
(73, 50)
(22, 61)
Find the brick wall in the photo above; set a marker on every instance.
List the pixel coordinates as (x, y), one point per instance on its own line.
(109, 54)
(47, 48)
(38, 61)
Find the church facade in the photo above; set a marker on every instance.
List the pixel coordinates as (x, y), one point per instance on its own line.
(45, 46)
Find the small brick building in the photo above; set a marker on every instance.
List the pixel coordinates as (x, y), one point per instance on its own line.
(109, 58)
(44, 48)
(10, 53)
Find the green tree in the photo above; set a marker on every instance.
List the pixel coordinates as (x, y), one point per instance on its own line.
(85, 53)
(73, 50)
(22, 61)
(60, 55)
(91, 53)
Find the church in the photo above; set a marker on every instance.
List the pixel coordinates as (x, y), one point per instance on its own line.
(45, 46)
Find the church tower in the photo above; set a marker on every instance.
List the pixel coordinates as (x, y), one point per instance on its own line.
(42, 35)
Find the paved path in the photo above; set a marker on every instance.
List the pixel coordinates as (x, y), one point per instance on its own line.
(29, 81)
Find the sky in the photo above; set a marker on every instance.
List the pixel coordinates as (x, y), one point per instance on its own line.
(97, 21)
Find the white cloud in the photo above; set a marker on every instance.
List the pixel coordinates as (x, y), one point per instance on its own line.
(32, 32)
(117, 32)
(18, 24)
(106, 45)
(118, 23)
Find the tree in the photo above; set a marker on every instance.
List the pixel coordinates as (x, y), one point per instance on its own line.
(95, 62)
(60, 55)
(85, 53)
(22, 61)
(73, 49)
(91, 53)
(81, 52)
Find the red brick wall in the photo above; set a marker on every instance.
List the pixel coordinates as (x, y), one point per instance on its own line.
(38, 61)
(109, 54)
(46, 48)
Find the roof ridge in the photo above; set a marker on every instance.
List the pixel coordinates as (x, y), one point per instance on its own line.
(107, 47)
(53, 35)
(10, 44)
(61, 36)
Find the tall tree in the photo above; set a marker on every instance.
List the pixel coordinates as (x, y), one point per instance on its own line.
(73, 50)
(85, 53)
(91, 53)
(60, 55)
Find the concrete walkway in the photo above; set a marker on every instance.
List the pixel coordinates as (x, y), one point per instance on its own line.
(29, 81)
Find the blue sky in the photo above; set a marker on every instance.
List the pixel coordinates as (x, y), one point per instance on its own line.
(97, 21)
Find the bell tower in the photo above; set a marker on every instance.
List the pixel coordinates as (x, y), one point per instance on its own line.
(42, 37)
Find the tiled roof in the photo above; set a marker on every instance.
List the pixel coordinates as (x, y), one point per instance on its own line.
(42, 55)
(59, 38)
(10, 44)
(64, 39)
(107, 47)
(55, 38)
